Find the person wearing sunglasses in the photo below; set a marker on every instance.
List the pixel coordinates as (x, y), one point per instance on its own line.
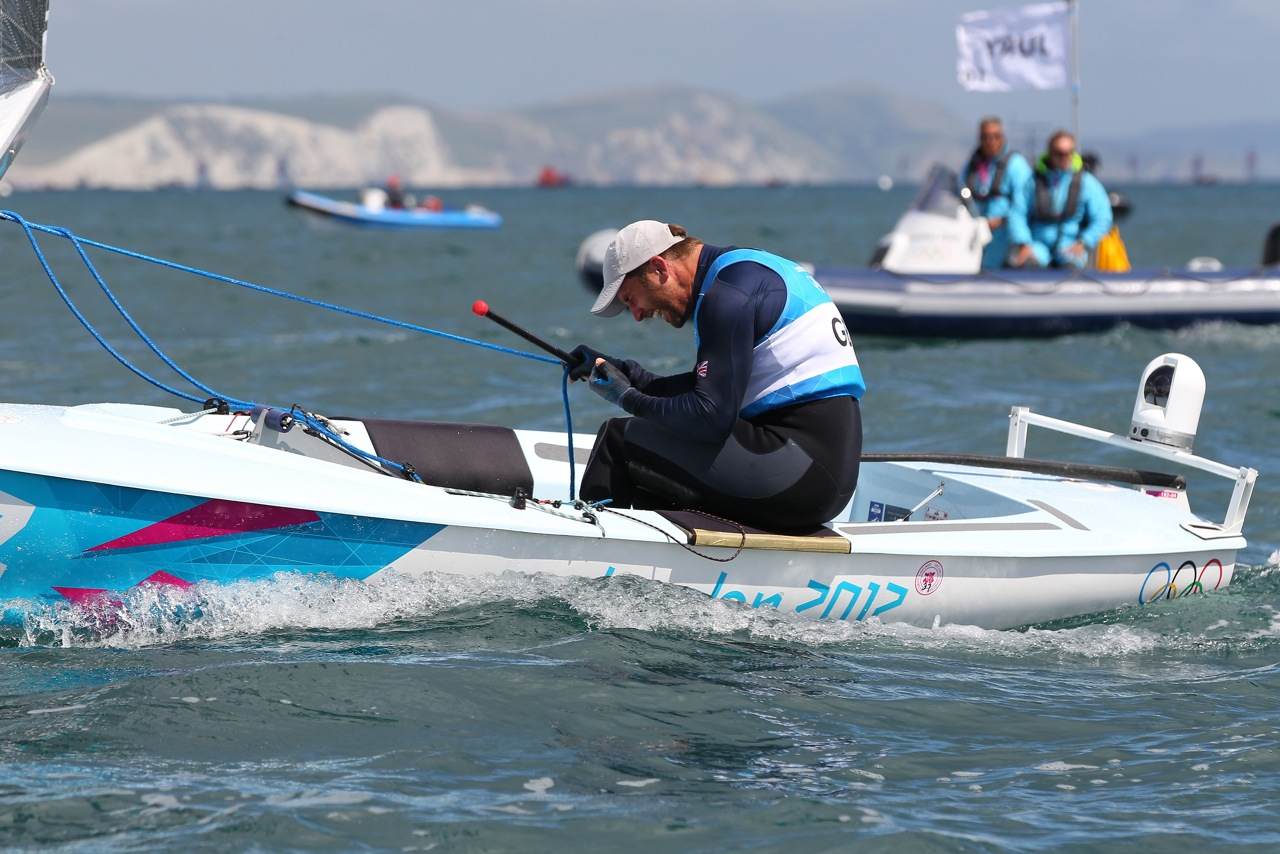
(1059, 217)
(993, 176)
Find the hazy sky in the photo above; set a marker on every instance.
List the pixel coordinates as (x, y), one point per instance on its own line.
(1144, 63)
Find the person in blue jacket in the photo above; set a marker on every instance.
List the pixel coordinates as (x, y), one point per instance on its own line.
(1062, 213)
(765, 427)
(994, 176)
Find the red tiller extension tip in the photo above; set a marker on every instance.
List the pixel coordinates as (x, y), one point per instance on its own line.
(481, 308)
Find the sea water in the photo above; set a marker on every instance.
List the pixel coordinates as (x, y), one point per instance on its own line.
(518, 713)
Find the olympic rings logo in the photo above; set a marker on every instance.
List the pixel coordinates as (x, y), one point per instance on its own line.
(1183, 581)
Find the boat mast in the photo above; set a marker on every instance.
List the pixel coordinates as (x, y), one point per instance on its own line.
(24, 78)
(1074, 11)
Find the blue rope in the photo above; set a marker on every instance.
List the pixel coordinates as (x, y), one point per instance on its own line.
(315, 424)
(568, 429)
(298, 414)
(75, 241)
(29, 228)
(84, 321)
(240, 283)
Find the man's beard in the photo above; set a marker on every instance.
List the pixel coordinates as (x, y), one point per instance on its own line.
(683, 318)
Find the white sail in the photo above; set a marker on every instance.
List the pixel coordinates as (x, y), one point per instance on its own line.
(24, 79)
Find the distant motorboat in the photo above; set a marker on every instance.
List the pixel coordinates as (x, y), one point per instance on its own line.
(551, 177)
(380, 216)
(1033, 303)
(924, 280)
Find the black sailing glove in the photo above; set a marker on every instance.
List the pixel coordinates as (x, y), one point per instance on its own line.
(586, 357)
(609, 382)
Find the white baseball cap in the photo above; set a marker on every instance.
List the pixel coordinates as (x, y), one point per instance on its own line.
(633, 246)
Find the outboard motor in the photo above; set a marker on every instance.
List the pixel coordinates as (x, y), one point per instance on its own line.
(373, 198)
(590, 260)
(939, 233)
(1170, 395)
(1271, 247)
(1121, 207)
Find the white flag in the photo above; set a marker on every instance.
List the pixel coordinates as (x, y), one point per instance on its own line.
(1022, 48)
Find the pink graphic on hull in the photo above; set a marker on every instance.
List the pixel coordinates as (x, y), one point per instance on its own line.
(214, 518)
(97, 596)
(160, 578)
(82, 595)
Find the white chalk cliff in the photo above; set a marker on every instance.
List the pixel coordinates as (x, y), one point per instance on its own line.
(227, 147)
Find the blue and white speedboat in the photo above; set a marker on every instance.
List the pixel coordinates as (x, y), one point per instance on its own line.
(374, 216)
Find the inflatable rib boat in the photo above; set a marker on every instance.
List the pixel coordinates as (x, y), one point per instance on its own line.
(1012, 303)
(924, 280)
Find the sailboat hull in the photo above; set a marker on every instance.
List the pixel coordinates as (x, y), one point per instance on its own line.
(136, 501)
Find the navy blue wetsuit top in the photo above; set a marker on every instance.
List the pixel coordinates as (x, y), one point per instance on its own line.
(738, 310)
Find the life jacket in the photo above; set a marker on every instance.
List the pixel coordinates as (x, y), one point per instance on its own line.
(993, 189)
(1044, 211)
(807, 355)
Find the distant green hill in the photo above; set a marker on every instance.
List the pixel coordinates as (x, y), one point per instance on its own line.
(871, 132)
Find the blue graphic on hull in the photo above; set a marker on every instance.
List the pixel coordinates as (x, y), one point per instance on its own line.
(899, 595)
(56, 546)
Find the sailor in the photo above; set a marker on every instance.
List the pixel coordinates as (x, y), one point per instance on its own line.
(1061, 214)
(993, 176)
(765, 429)
(395, 193)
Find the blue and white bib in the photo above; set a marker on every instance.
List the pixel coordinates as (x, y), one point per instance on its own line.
(808, 354)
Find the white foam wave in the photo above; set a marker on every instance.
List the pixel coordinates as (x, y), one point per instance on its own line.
(1126, 338)
(1058, 765)
(1237, 335)
(149, 616)
(1271, 630)
(662, 608)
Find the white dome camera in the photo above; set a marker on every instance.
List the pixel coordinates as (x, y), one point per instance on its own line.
(1170, 395)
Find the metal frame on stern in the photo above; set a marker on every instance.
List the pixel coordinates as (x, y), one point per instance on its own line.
(1021, 417)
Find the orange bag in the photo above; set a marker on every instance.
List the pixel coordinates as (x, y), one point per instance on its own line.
(1112, 257)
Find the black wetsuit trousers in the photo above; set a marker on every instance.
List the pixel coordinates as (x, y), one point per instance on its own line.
(787, 469)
